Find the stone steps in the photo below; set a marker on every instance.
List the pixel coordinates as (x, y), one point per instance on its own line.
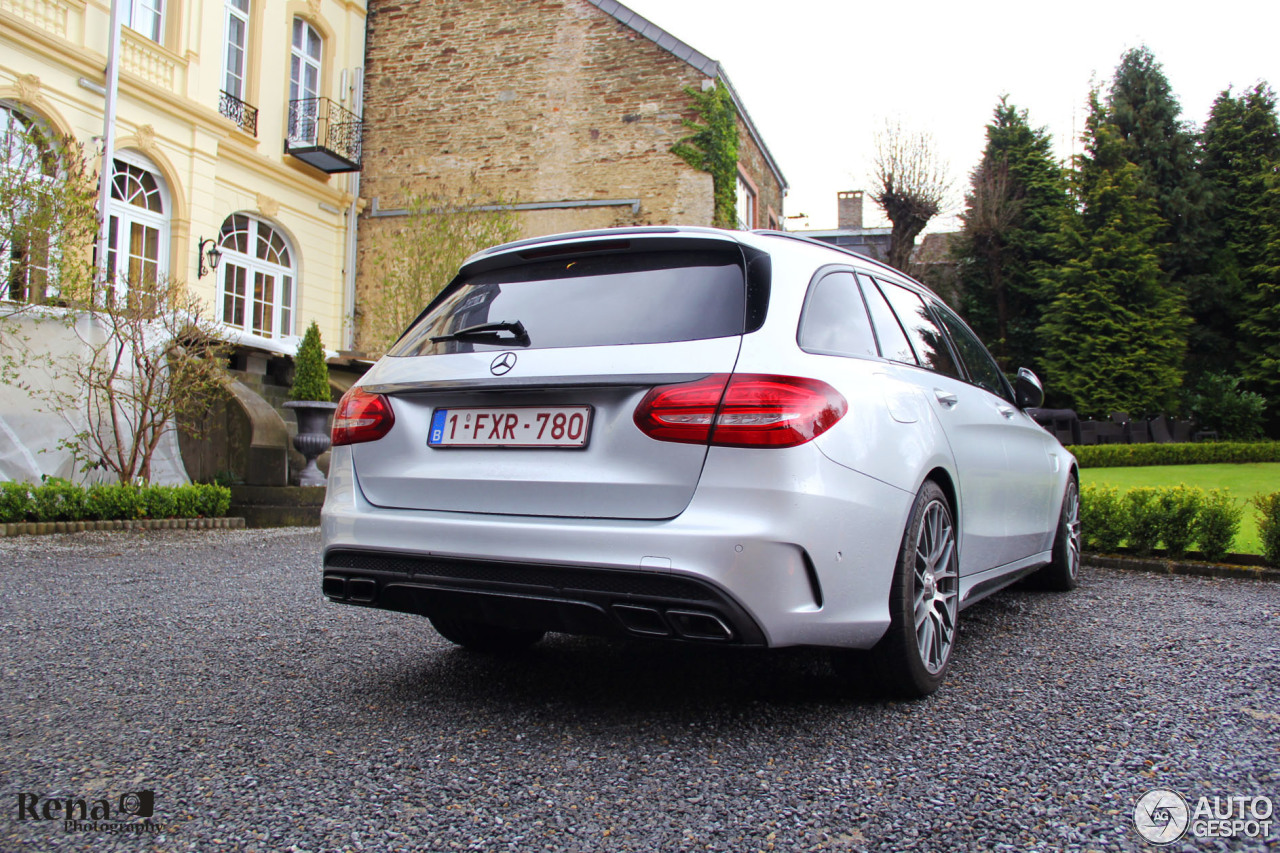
(277, 506)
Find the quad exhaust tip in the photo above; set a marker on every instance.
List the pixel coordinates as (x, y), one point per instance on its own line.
(364, 590)
(689, 624)
(642, 620)
(699, 625)
(334, 586)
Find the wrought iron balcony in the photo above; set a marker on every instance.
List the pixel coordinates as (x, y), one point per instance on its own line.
(242, 114)
(324, 135)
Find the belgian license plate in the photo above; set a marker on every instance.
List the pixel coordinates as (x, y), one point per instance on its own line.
(511, 426)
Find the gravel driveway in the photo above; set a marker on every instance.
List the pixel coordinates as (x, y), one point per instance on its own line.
(206, 667)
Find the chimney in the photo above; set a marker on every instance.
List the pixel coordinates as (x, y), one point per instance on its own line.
(849, 215)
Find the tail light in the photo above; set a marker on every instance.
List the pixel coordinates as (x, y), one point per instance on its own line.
(361, 416)
(741, 410)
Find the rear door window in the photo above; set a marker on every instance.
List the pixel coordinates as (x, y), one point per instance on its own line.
(981, 367)
(835, 319)
(930, 342)
(893, 341)
(606, 300)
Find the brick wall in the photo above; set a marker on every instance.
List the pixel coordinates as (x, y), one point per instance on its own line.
(530, 101)
(751, 162)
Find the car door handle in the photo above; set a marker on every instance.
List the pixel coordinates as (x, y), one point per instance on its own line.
(1006, 411)
(946, 398)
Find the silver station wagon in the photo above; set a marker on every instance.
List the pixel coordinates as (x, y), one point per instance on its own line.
(698, 436)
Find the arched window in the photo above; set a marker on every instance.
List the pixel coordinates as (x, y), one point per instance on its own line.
(304, 83)
(28, 166)
(257, 277)
(138, 228)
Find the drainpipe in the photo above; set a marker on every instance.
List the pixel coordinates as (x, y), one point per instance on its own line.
(108, 139)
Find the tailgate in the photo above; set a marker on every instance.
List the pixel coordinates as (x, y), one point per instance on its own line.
(612, 470)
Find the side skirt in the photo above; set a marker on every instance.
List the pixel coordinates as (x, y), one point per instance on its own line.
(975, 587)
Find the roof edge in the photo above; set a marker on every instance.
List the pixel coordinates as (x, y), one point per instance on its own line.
(687, 53)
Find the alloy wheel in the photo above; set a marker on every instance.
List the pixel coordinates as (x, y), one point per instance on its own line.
(1071, 526)
(936, 587)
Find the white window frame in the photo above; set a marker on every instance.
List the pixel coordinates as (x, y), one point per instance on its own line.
(145, 17)
(301, 60)
(123, 216)
(34, 157)
(284, 300)
(746, 205)
(233, 73)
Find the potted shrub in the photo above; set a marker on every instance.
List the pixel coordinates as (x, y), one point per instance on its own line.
(312, 403)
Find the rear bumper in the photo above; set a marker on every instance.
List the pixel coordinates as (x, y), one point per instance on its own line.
(566, 599)
(790, 550)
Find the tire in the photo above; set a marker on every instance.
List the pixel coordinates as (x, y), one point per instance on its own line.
(911, 660)
(483, 637)
(1063, 573)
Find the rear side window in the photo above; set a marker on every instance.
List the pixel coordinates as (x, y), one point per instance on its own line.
(893, 342)
(607, 300)
(835, 320)
(931, 344)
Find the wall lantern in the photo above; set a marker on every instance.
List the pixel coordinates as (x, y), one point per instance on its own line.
(213, 253)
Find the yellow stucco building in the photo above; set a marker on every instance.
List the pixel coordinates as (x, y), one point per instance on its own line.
(237, 122)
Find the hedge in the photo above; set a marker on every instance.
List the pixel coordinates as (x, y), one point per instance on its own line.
(60, 500)
(1268, 507)
(1175, 516)
(1195, 453)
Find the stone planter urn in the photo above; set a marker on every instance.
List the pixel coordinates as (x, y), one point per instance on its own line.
(313, 436)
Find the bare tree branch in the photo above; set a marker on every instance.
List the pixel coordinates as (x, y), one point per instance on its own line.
(912, 184)
(418, 256)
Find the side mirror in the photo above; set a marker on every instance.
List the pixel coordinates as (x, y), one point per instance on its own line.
(1027, 391)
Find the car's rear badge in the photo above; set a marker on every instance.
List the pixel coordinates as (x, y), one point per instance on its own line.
(502, 364)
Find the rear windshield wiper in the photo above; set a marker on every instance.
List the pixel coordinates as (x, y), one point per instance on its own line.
(487, 333)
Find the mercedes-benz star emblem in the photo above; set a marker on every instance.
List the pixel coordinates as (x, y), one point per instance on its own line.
(502, 364)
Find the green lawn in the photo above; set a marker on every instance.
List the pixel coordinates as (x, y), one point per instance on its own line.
(1244, 480)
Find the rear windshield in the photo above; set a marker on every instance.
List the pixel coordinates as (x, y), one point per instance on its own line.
(610, 300)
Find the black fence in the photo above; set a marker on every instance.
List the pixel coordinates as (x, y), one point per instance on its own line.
(1119, 429)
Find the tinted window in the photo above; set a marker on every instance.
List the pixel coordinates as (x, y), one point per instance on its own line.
(982, 368)
(639, 298)
(835, 320)
(893, 343)
(930, 343)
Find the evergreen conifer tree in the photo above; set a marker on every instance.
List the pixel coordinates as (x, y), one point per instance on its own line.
(1145, 113)
(1240, 148)
(1114, 334)
(311, 373)
(1262, 323)
(1016, 201)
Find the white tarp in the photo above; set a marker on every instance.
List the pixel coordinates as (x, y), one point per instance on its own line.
(283, 345)
(31, 433)
(30, 439)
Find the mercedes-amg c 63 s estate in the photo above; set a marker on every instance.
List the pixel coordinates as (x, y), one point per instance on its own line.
(697, 436)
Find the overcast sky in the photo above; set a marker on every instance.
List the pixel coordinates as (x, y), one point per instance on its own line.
(820, 76)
